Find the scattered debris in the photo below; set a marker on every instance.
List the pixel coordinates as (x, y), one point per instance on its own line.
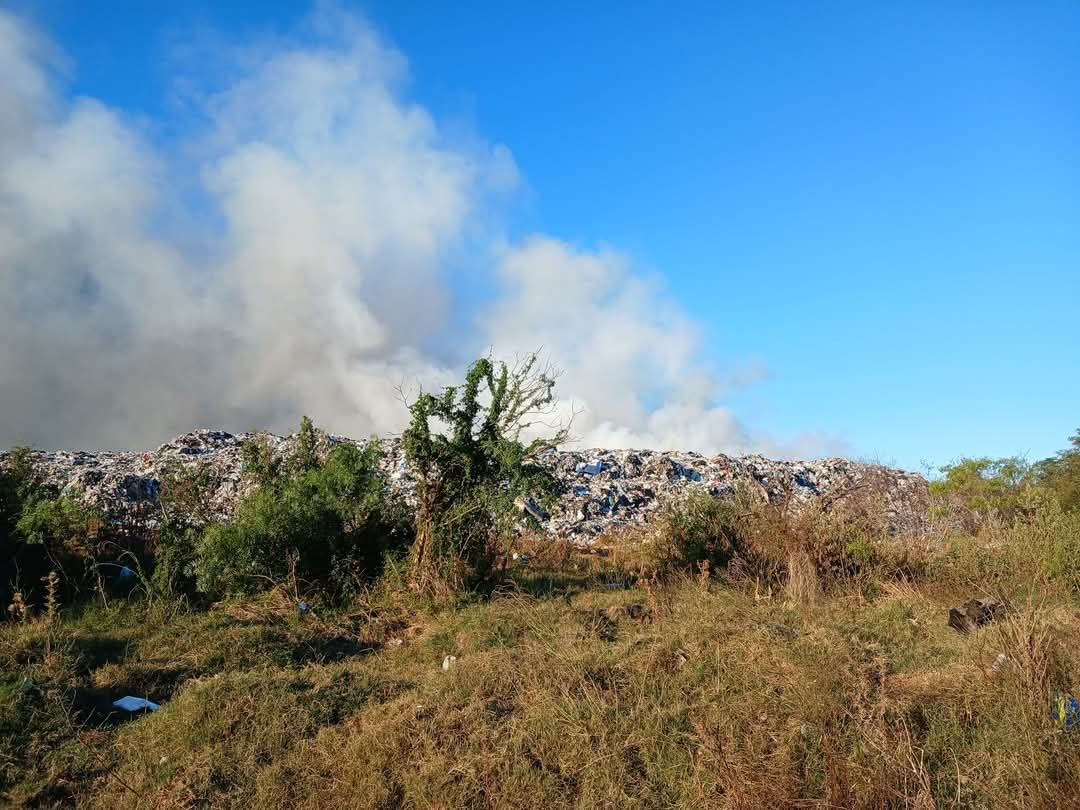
(1001, 662)
(135, 704)
(975, 613)
(448, 662)
(533, 508)
(590, 469)
(602, 623)
(638, 613)
(783, 630)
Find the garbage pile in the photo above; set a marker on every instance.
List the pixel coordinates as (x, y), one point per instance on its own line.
(599, 490)
(605, 489)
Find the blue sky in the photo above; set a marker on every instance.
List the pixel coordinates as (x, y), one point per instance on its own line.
(879, 203)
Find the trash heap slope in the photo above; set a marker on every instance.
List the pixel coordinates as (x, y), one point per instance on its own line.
(600, 490)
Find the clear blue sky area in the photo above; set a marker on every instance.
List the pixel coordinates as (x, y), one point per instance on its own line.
(880, 201)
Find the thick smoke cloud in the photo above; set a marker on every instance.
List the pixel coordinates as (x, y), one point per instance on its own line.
(292, 255)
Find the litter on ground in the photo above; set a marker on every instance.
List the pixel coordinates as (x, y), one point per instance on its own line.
(135, 704)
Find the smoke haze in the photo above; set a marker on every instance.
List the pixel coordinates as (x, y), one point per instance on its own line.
(300, 250)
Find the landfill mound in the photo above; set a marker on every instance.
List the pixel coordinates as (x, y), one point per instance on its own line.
(599, 490)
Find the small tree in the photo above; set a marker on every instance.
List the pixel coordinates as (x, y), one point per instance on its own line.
(466, 452)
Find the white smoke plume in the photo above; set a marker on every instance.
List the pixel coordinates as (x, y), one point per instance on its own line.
(300, 252)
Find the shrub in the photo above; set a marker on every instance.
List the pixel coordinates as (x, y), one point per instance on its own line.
(326, 523)
(18, 485)
(705, 529)
(10, 510)
(1041, 548)
(185, 515)
(976, 490)
(1061, 474)
(469, 478)
(800, 546)
(1054, 535)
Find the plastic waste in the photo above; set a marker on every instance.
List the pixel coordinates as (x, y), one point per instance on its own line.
(592, 468)
(1065, 711)
(303, 606)
(448, 661)
(135, 704)
(126, 572)
(533, 508)
(124, 484)
(975, 613)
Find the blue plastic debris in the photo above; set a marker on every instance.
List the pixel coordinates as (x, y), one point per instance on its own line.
(687, 472)
(135, 704)
(126, 572)
(1065, 711)
(592, 468)
(303, 606)
(533, 508)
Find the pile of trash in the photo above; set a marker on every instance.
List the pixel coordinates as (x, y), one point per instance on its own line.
(606, 489)
(600, 490)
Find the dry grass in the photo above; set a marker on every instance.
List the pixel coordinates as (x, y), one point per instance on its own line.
(587, 682)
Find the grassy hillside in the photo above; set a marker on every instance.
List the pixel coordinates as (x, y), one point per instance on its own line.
(579, 683)
(334, 646)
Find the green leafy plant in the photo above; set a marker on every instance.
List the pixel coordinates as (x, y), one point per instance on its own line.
(466, 450)
(60, 532)
(320, 522)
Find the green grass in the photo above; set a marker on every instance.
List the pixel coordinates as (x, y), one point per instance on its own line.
(580, 685)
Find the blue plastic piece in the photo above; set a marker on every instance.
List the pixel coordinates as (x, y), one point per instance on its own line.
(592, 468)
(135, 704)
(1065, 711)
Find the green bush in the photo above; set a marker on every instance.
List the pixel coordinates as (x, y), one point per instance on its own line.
(1060, 475)
(11, 500)
(185, 515)
(976, 490)
(61, 523)
(471, 466)
(317, 523)
(43, 530)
